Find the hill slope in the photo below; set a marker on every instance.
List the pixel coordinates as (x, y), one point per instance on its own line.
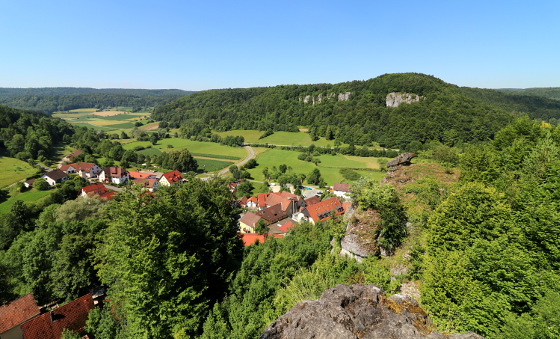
(352, 112)
(54, 99)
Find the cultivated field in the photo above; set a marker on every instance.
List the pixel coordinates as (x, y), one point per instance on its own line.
(115, 119)
(14, 170)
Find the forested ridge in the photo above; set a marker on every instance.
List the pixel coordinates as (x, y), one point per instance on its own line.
(445, 113)
(49, 100)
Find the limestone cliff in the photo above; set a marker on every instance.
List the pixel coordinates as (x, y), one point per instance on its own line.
(356, 311)
(394, 99)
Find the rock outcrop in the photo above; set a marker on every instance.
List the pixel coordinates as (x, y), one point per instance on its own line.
(356, 311)
(360, 239)
(402, 160)
(319, 98)
(394, 99)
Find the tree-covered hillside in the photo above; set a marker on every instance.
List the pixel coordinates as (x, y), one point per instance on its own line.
(26, 135)
(50, 100)
(356, 111)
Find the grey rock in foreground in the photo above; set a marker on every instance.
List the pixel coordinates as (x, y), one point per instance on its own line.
(401, 160)
(356, 311)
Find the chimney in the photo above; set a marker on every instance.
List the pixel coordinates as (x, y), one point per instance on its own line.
(52, 316)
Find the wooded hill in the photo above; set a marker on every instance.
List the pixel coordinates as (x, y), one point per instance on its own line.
(356, 112)
(49, 100)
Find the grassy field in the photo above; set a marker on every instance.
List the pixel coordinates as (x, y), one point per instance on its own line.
(279, 138)
(212, 165)
(14, 170)
(197, 148)
(330, 165)
(29, 196)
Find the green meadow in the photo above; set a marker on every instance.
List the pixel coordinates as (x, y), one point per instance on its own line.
(279, 138)
(14, 170)
(329, 166)
(197, 148)
(32, 195)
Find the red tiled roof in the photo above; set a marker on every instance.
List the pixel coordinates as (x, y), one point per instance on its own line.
(140, 175)
(261, 198)
(49, 325)
(312, 201)
(65, 168)
(115, 172)
(286, 227)
(322, 210)
(341, 187)
(253, 199)
(173, 176)
(84, 166)
(14, 313)
(93, 189)
(251, 238)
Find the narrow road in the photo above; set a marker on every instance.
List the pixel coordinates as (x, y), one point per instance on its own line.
(250, 156)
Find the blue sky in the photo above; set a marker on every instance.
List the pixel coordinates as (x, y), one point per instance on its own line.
(197, 45)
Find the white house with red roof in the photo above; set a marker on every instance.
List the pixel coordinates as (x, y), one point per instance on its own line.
(114, 174)
(171, 178)
(88, 170)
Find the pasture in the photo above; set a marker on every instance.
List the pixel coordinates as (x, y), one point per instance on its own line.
(197, 148)
(14, 170)
(278, 138)
(32, 195)
(329, 166)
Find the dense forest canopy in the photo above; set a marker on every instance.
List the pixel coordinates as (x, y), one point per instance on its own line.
(356, 112)
(49, 100)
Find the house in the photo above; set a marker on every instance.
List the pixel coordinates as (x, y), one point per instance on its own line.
(323, 210)
(149, 184)
(68, 168)
(114, 174)
(248, 222)
(29, 183)
(252, 203)
(342, 190)
(70, 157)
(15, 313)
(50, 325)
(97, 189)
(88, 170)
(54, 177)
(141, 175)
(171, 178)
(312, 201)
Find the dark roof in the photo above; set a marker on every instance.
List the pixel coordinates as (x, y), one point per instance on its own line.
(272, 214)
(14, 313)
(49, 325)
(312, 201)
(56, 174)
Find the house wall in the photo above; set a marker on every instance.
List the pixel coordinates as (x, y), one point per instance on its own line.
(13, 333)
(244, 228)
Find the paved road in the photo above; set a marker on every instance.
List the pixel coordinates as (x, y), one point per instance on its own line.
(250, 156)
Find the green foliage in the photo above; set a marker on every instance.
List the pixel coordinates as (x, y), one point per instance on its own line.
(350, 174)
(41, 184)
(165, 264)
(445, 112)
(369, 194)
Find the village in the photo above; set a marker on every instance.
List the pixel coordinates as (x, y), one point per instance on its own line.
(263, 215)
